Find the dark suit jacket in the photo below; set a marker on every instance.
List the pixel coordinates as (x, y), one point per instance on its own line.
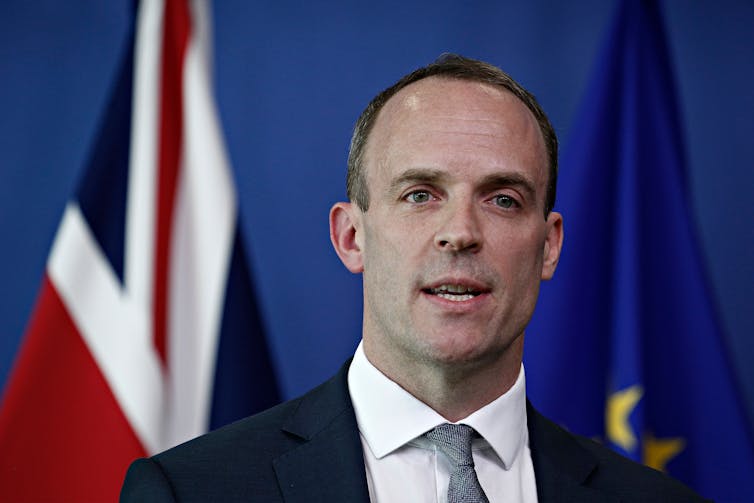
(309, 450)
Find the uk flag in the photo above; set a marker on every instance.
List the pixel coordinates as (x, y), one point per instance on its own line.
(145, 332)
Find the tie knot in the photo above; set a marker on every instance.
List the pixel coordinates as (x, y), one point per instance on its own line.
(454, 440)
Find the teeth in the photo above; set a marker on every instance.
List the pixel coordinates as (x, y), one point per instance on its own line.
(456, 293)
(455, 297)
(457, 289)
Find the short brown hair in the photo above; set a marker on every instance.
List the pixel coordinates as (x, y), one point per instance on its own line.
(451, 66)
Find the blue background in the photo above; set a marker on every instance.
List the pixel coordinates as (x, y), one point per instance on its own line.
(291, 79)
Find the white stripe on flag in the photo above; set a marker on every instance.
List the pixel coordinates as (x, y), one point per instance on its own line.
(142, 183)
(112, 325)
(204, 224)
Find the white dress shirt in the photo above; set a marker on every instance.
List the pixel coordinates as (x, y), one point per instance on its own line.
(401, 465)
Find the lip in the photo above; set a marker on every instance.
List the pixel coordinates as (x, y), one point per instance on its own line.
(469, 283)
(482, 296)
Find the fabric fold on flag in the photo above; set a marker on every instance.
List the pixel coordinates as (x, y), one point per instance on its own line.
(625, 345)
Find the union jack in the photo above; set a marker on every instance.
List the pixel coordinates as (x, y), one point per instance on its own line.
(145, 332)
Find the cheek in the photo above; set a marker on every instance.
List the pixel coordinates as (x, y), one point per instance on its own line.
(398, 239)
(520, 251)
(383, 250)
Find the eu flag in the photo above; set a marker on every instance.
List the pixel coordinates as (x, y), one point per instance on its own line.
(625, 344)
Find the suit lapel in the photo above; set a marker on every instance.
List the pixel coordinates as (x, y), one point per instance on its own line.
(329, 463)
(561, 466)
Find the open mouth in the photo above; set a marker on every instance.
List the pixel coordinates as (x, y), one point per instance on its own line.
(455, 293)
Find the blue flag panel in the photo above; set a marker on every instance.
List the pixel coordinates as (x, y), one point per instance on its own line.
(102, 190)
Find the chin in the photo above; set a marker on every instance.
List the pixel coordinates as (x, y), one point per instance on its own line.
(469, 349)
(457, 350)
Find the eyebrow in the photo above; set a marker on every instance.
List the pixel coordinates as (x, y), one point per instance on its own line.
(416, 175)
(509, 180)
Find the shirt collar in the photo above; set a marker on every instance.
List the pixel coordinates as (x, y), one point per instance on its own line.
(389, 416)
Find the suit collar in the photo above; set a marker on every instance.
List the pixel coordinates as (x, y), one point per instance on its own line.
(398, 417)
(562, 467)
(328, 465)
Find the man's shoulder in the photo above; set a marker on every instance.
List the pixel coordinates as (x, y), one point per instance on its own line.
(629, 477)
(597, 467)
(251, 435)
(264, 435)
(216, 465)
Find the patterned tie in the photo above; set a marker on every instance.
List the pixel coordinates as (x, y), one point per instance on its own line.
(454, 440)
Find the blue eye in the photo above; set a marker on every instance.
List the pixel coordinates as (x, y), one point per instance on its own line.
(419, 196)
(504, 201)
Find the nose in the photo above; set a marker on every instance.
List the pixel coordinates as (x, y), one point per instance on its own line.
(460, 230)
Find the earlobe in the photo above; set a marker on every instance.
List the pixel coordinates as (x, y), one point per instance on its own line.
(345, 234)
(553, 244)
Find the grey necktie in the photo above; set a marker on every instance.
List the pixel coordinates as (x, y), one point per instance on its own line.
(454, 440)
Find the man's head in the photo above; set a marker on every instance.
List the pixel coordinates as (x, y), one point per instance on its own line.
(453, 245)
(449, 66)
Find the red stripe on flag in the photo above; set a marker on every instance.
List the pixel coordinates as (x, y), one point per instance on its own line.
(63, 436)
(176, 28)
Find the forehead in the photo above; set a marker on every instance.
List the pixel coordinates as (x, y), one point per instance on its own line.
(457, 125)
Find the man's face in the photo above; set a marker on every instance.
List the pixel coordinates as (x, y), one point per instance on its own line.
(455, 242)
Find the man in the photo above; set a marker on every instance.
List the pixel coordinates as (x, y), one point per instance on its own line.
(451, 178)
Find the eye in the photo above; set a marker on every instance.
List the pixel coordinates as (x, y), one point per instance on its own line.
(418, 196)
(504, 201)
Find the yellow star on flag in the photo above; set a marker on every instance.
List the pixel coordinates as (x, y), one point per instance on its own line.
(658, 452)
(620, 405)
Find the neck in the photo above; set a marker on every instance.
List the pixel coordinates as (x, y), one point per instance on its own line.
(453, 389)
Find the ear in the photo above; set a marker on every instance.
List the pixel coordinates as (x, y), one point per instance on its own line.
(345, 234)
(553, 244)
